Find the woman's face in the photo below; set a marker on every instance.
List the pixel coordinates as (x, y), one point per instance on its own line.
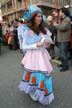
(38, 19)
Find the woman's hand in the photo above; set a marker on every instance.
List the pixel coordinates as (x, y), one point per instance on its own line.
(47, 45)
(39, 44)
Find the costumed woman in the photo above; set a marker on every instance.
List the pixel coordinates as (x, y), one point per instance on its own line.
(37, 80)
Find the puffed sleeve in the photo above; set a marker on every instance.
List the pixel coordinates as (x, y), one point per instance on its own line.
(25, 45)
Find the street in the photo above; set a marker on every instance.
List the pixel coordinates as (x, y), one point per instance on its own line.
(10, 76)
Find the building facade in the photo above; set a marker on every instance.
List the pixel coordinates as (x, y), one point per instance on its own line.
(12, 9)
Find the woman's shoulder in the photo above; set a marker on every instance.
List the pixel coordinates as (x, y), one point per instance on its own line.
(29, 32)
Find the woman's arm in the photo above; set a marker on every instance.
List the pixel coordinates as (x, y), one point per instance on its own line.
(28, 47)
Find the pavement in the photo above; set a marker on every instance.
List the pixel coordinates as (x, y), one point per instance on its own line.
(10, 76)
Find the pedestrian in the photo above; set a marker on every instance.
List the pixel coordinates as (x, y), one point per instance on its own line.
(63, 38)
(53, 30)
(71, 43)
(16, 43)
(1, 35)
(37, 80)
(10, 36)
(20, 31)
